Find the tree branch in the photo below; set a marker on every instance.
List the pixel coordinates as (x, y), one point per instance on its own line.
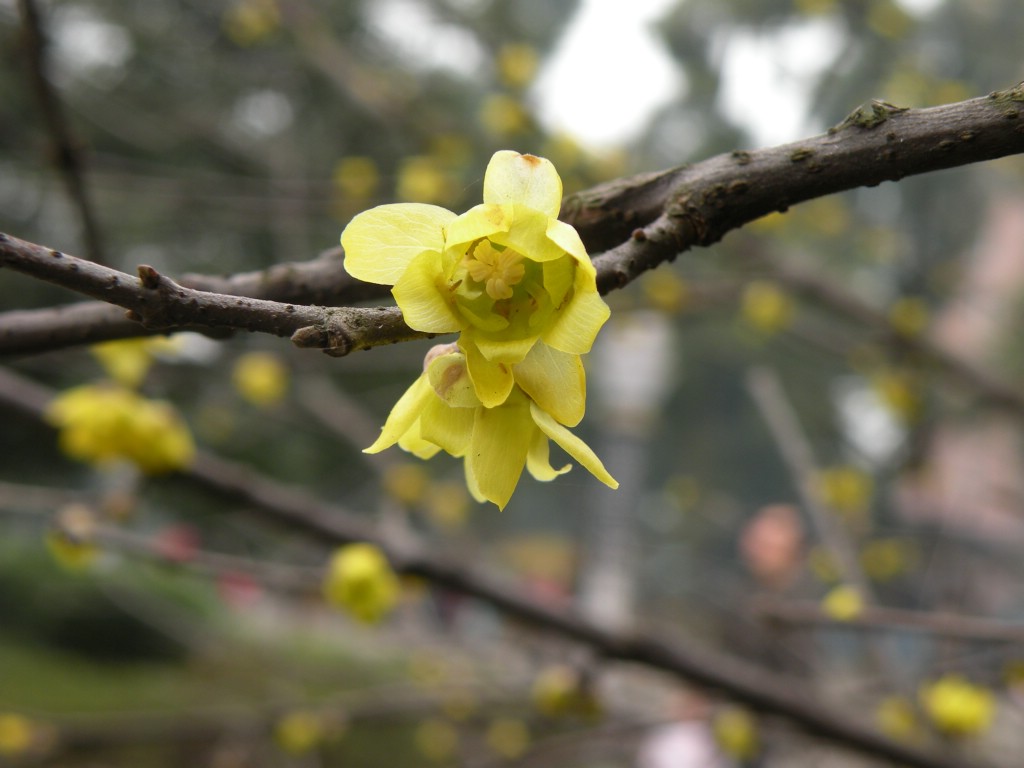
(160, 304)
(327, 523)
(648, 219)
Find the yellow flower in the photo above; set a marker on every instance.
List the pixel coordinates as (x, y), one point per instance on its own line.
(507, 274)
(508, 737)
(261, 378)
(360, 580)
(517, 64)
(356, 177)
(419, 178)
(502, 115)
(843, 603)
(436, 739)
(299, 732)
(16, 734)
(559, 691)
(127, 360)
(845, 489)
(896, 718)
(957, 707)
(247, 22)
(765, 307)
(405, 483)
(441, 411)
(100, 424)
(908, 316)
(736, 733)
(71, 541)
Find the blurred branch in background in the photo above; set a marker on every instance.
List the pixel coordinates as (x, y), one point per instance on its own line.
(65, 148)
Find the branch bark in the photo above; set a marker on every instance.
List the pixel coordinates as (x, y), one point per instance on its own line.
(642, 221)
(330, 524)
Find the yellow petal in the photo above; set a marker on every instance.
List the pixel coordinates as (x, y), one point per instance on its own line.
(501, 441)
(402, 417)
(572, 445)
(528, 235)
(555, 381)
(558, 278)
(412, 442)
(380, 243)
(472, 484)
(450, 428)
(479, 221)
(538, 460)
(492, 381)
(576, 326)
(567, 238)
(450, 379)
(527, 179)
(422, 295)
(510, 351)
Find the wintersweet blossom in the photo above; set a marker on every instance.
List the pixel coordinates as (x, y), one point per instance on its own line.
(441, 411)
(507, 274)
(360, 580)
(101, 424)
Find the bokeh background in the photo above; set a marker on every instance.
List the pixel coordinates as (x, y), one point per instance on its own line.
(224, 137)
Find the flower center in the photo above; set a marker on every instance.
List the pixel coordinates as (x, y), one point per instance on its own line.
(499, 270)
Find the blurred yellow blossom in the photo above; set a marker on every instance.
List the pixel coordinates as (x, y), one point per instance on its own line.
(503, 116)
(559, 690)
(508, 737)
(71, 541)
(843, 603)
(436, 739)
(885, 559)
(460, 704)
(766, 307)
(846, 490)
(16, 734)
(665, 290)
(957, 707)
(900, 391)
(815, 7)
(517, 64)
(356, 177)
(447, 504)
(247, 22)
(735, 732)
(127, 361)
(261, 378)
(100, 424)
(908, 316)
(299, 732)
(405, 482)
(896, 718)
(887, 18)
(822, 565)
(360, 580)
(420, 178)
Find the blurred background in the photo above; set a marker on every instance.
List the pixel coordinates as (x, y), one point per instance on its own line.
(816, 422)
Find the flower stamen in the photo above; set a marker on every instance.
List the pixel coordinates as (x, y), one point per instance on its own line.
(499, 270)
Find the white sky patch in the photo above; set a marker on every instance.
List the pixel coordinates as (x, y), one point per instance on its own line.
(421, 39)
(920, 7)
(765, 78)
(86, 44)
(608, 73)
(263, 113)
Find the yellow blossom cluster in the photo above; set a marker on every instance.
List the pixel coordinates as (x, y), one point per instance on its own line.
(518, 286)
(100, 424)
(958, 707)
(360, 581)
